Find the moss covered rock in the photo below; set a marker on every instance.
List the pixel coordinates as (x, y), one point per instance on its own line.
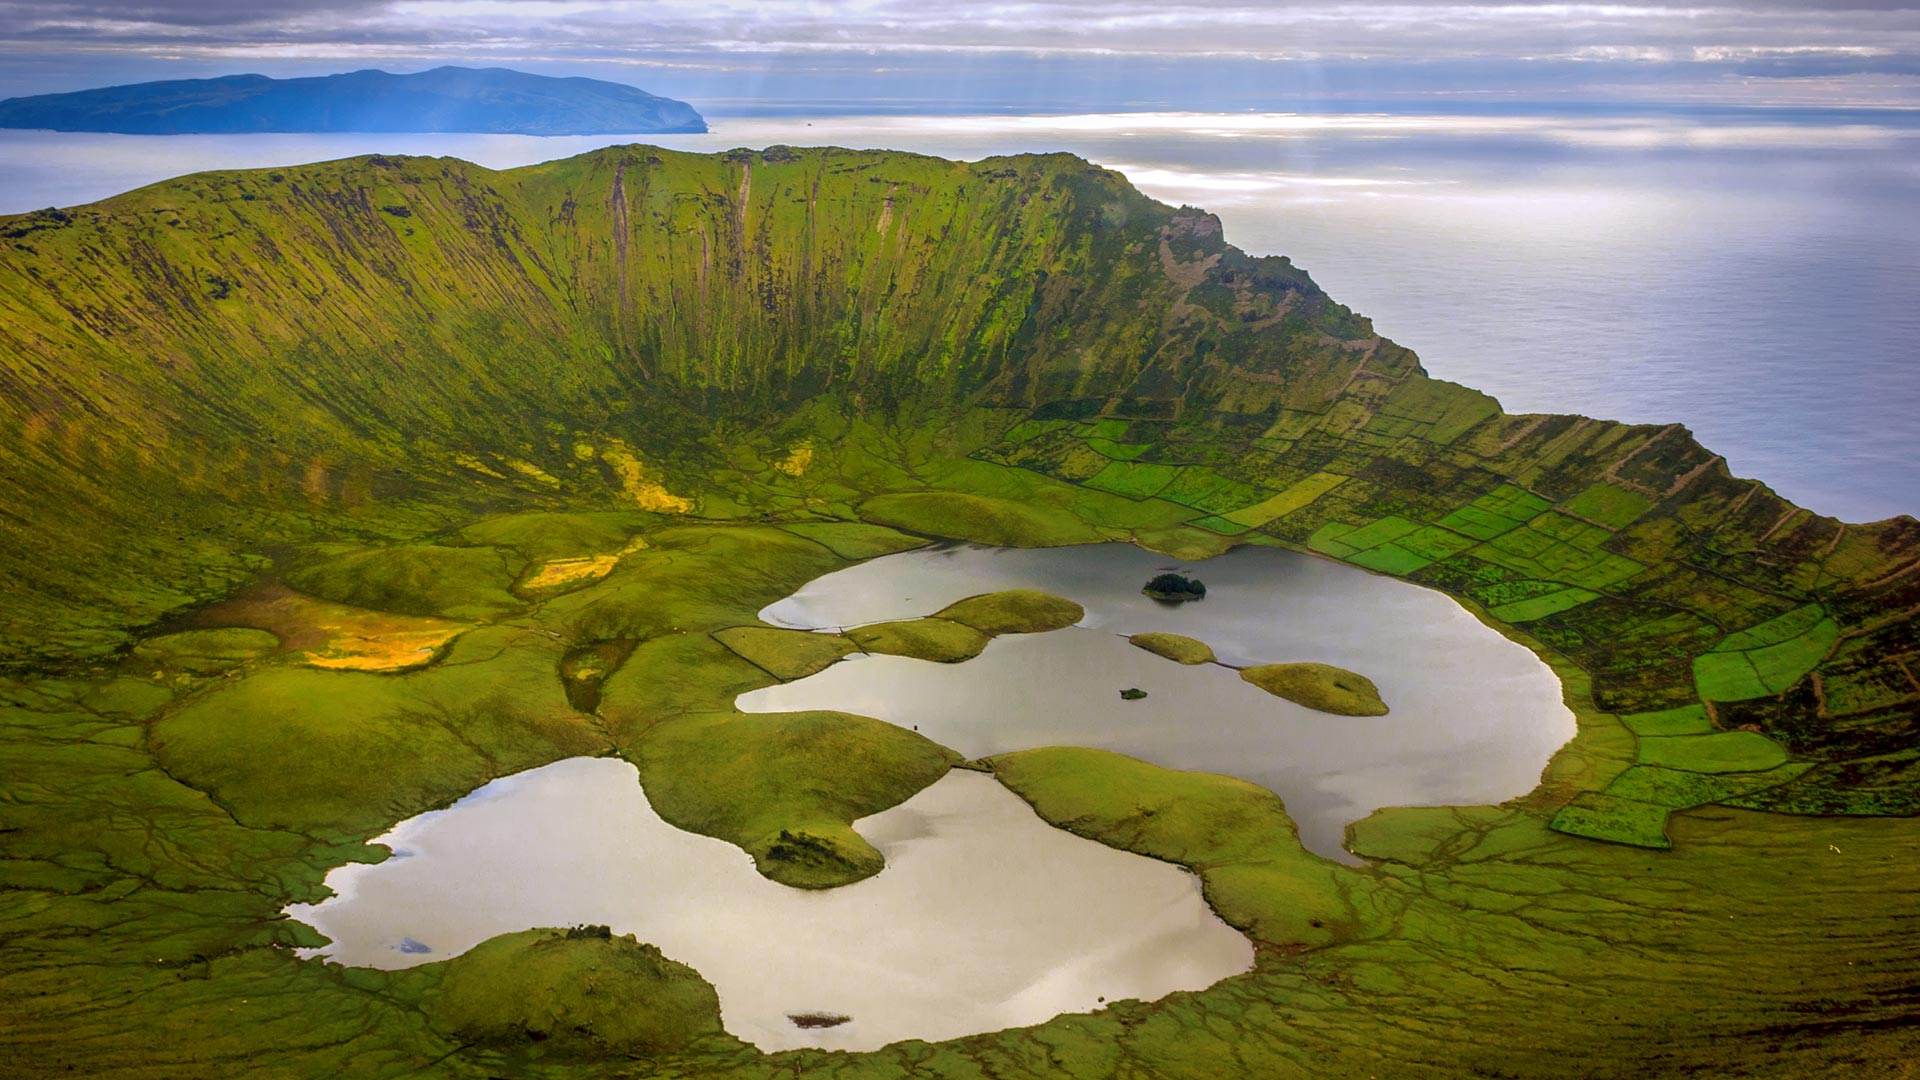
(1014, 611)
(1322, 687)
(1176, 647)
(571, 993)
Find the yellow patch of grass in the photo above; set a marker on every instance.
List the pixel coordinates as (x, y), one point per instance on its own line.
(533, 472)
(646, 492)
(1288, 501)
(334, 636)
(555, 573)
(552, 575)
(797, 461)
(474, 463)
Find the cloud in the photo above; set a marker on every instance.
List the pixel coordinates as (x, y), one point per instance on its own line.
(1641, 42)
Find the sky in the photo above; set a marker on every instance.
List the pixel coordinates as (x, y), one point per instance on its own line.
(733, 56)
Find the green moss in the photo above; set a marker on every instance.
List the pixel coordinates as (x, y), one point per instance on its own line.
(1132, 479)
(853, 540)
(1319, 686)
(982, 519)
(1685, 720)
(1720, 752)
(416, 579)
(537, 536)
(786, 786)
(1014, 611)
(1774, 631)
(1175, 647)
(205, 652)
(568, 994)
(1183, 542)
(699, 578)
(1539, 607)
(1613, 819)
(1235, 835)
(1681, 789)
(785, 654)
(941, 640)
(1606, 504)
(1286, 502)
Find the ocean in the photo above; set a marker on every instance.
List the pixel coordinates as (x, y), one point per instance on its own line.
(1752, 275)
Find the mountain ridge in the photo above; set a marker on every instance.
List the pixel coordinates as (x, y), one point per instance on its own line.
(443, 99)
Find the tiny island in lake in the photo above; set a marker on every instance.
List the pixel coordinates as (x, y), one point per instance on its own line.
(1175, 588)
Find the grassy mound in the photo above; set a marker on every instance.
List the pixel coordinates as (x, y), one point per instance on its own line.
(335, 636)
(690, 578)
(345, 754)
(414, 579)
(1176, 647)
(941, 640)
(205, 652)
(580, 993)
(787, 786)
(1235, 835)
(1323, 687)
(784, 654)
(1014, 611)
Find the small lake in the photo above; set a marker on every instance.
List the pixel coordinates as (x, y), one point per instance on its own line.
(1474, 717)
(985, 917)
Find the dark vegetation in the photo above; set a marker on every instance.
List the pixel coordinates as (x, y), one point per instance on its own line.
(1175, 587)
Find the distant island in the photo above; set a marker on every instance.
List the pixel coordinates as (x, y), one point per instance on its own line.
(446, 99)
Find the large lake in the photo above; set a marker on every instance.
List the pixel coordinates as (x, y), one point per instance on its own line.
(1474, 717)
(1754, 275)
(985, 917)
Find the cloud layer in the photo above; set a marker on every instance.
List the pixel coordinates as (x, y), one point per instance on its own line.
(1736, 51)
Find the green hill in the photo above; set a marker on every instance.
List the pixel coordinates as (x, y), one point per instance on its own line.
(498, 457)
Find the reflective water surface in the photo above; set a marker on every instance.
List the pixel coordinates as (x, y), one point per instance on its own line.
(1474, 716)
(984, 918)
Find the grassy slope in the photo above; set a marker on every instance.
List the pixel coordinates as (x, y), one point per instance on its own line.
(633, 327)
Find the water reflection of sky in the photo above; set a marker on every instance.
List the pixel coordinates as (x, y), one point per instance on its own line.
(1752, 275)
